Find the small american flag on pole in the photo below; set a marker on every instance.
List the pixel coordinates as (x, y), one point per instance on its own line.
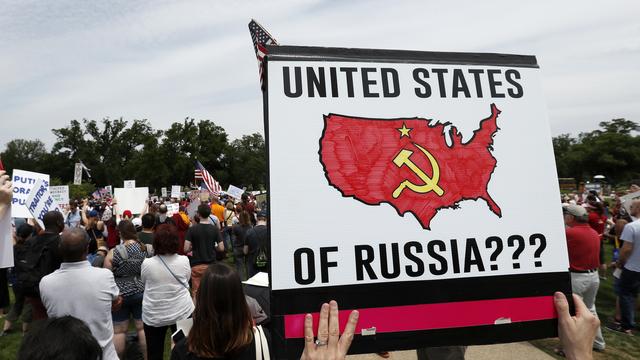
(209, 182)
(260, 38)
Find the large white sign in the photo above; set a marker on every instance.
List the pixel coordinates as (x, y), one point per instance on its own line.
(425, 171)
(23, 182)
(40, 201)
(133, 200)
(60, 194)
(175, 191)
(235, 191)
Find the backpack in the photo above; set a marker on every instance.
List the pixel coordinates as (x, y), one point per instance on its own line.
(39, 261)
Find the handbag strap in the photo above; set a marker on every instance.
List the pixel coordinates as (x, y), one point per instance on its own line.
(262, 348)
(174, 275)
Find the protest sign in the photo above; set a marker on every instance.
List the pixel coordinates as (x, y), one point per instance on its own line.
(23, 182)
(77, 174)
(626, 200)
(60, 194)
(422, 166)
(172, 209)
(175, 191)
(192, 209)
(235, 191)
(109, 190)
(194, 194)
(129, 184)
(163, 192)
(204, 195)
(40, 201)
(134, 199)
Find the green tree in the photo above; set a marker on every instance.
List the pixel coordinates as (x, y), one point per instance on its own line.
(247, 162)
(24, 154)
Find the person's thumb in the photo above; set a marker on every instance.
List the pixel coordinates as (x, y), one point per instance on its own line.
(562, 306)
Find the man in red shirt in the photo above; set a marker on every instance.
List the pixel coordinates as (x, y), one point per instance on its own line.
(583, 244)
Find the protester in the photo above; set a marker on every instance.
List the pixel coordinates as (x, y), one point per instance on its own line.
(629, 282)
(82, 291)
(163, 217)
(42, 258)
(182, 223)
(73, 218)
(598, 222)
(259, 246)
(222, 323)
(148, 224)
(63, 338)
(166, 292)
(583, 245)
(230, 219)
(95, 228)
(217, 210)
(203, 240)
(249, 206)
(23, 232)
(240, 245)
(125, 261)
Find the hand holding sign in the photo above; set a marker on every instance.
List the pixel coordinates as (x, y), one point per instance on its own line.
(6, 192)
(330, 345)
(576, 332)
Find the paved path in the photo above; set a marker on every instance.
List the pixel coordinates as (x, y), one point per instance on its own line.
(521, 350)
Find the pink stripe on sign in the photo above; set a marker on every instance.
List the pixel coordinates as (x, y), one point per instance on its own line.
(437, 316)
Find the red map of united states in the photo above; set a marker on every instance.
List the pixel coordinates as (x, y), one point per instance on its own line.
(408, 164)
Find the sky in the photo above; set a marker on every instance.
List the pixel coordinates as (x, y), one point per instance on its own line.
(168, 60)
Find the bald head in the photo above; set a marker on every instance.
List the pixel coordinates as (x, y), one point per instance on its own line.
(634, 208)
(74, 245)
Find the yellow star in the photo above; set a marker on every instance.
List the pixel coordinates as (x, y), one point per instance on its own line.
(404, 131)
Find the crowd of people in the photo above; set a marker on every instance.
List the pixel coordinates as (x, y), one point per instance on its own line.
(591, 221)
(87, 273)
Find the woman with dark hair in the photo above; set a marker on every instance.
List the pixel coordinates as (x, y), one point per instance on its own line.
(125, 260)
(166, 291)
(222, 323)
(240, 244)
(223, 327)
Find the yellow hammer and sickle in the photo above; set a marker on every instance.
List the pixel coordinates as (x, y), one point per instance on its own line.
(430, 184)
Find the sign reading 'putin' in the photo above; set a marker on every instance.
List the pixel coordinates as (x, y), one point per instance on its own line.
(419, 188)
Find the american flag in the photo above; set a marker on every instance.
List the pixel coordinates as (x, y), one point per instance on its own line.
(260, 38)
(209, 182)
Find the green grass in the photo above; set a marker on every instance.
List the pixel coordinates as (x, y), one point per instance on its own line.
(619, 346)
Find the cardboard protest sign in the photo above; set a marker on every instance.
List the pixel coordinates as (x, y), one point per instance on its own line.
(626, 200)
(40, 201)
(175, 191)
(194, 194)
(163, 192)
(77, 174)
(235, 191)
(23, 182)
(204, 195)
(60, 194)
(129, 184)
(134, 199)
(422, 166)
(192, 209)
(172, 209)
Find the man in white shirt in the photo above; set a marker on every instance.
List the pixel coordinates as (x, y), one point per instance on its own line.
(82, 291)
